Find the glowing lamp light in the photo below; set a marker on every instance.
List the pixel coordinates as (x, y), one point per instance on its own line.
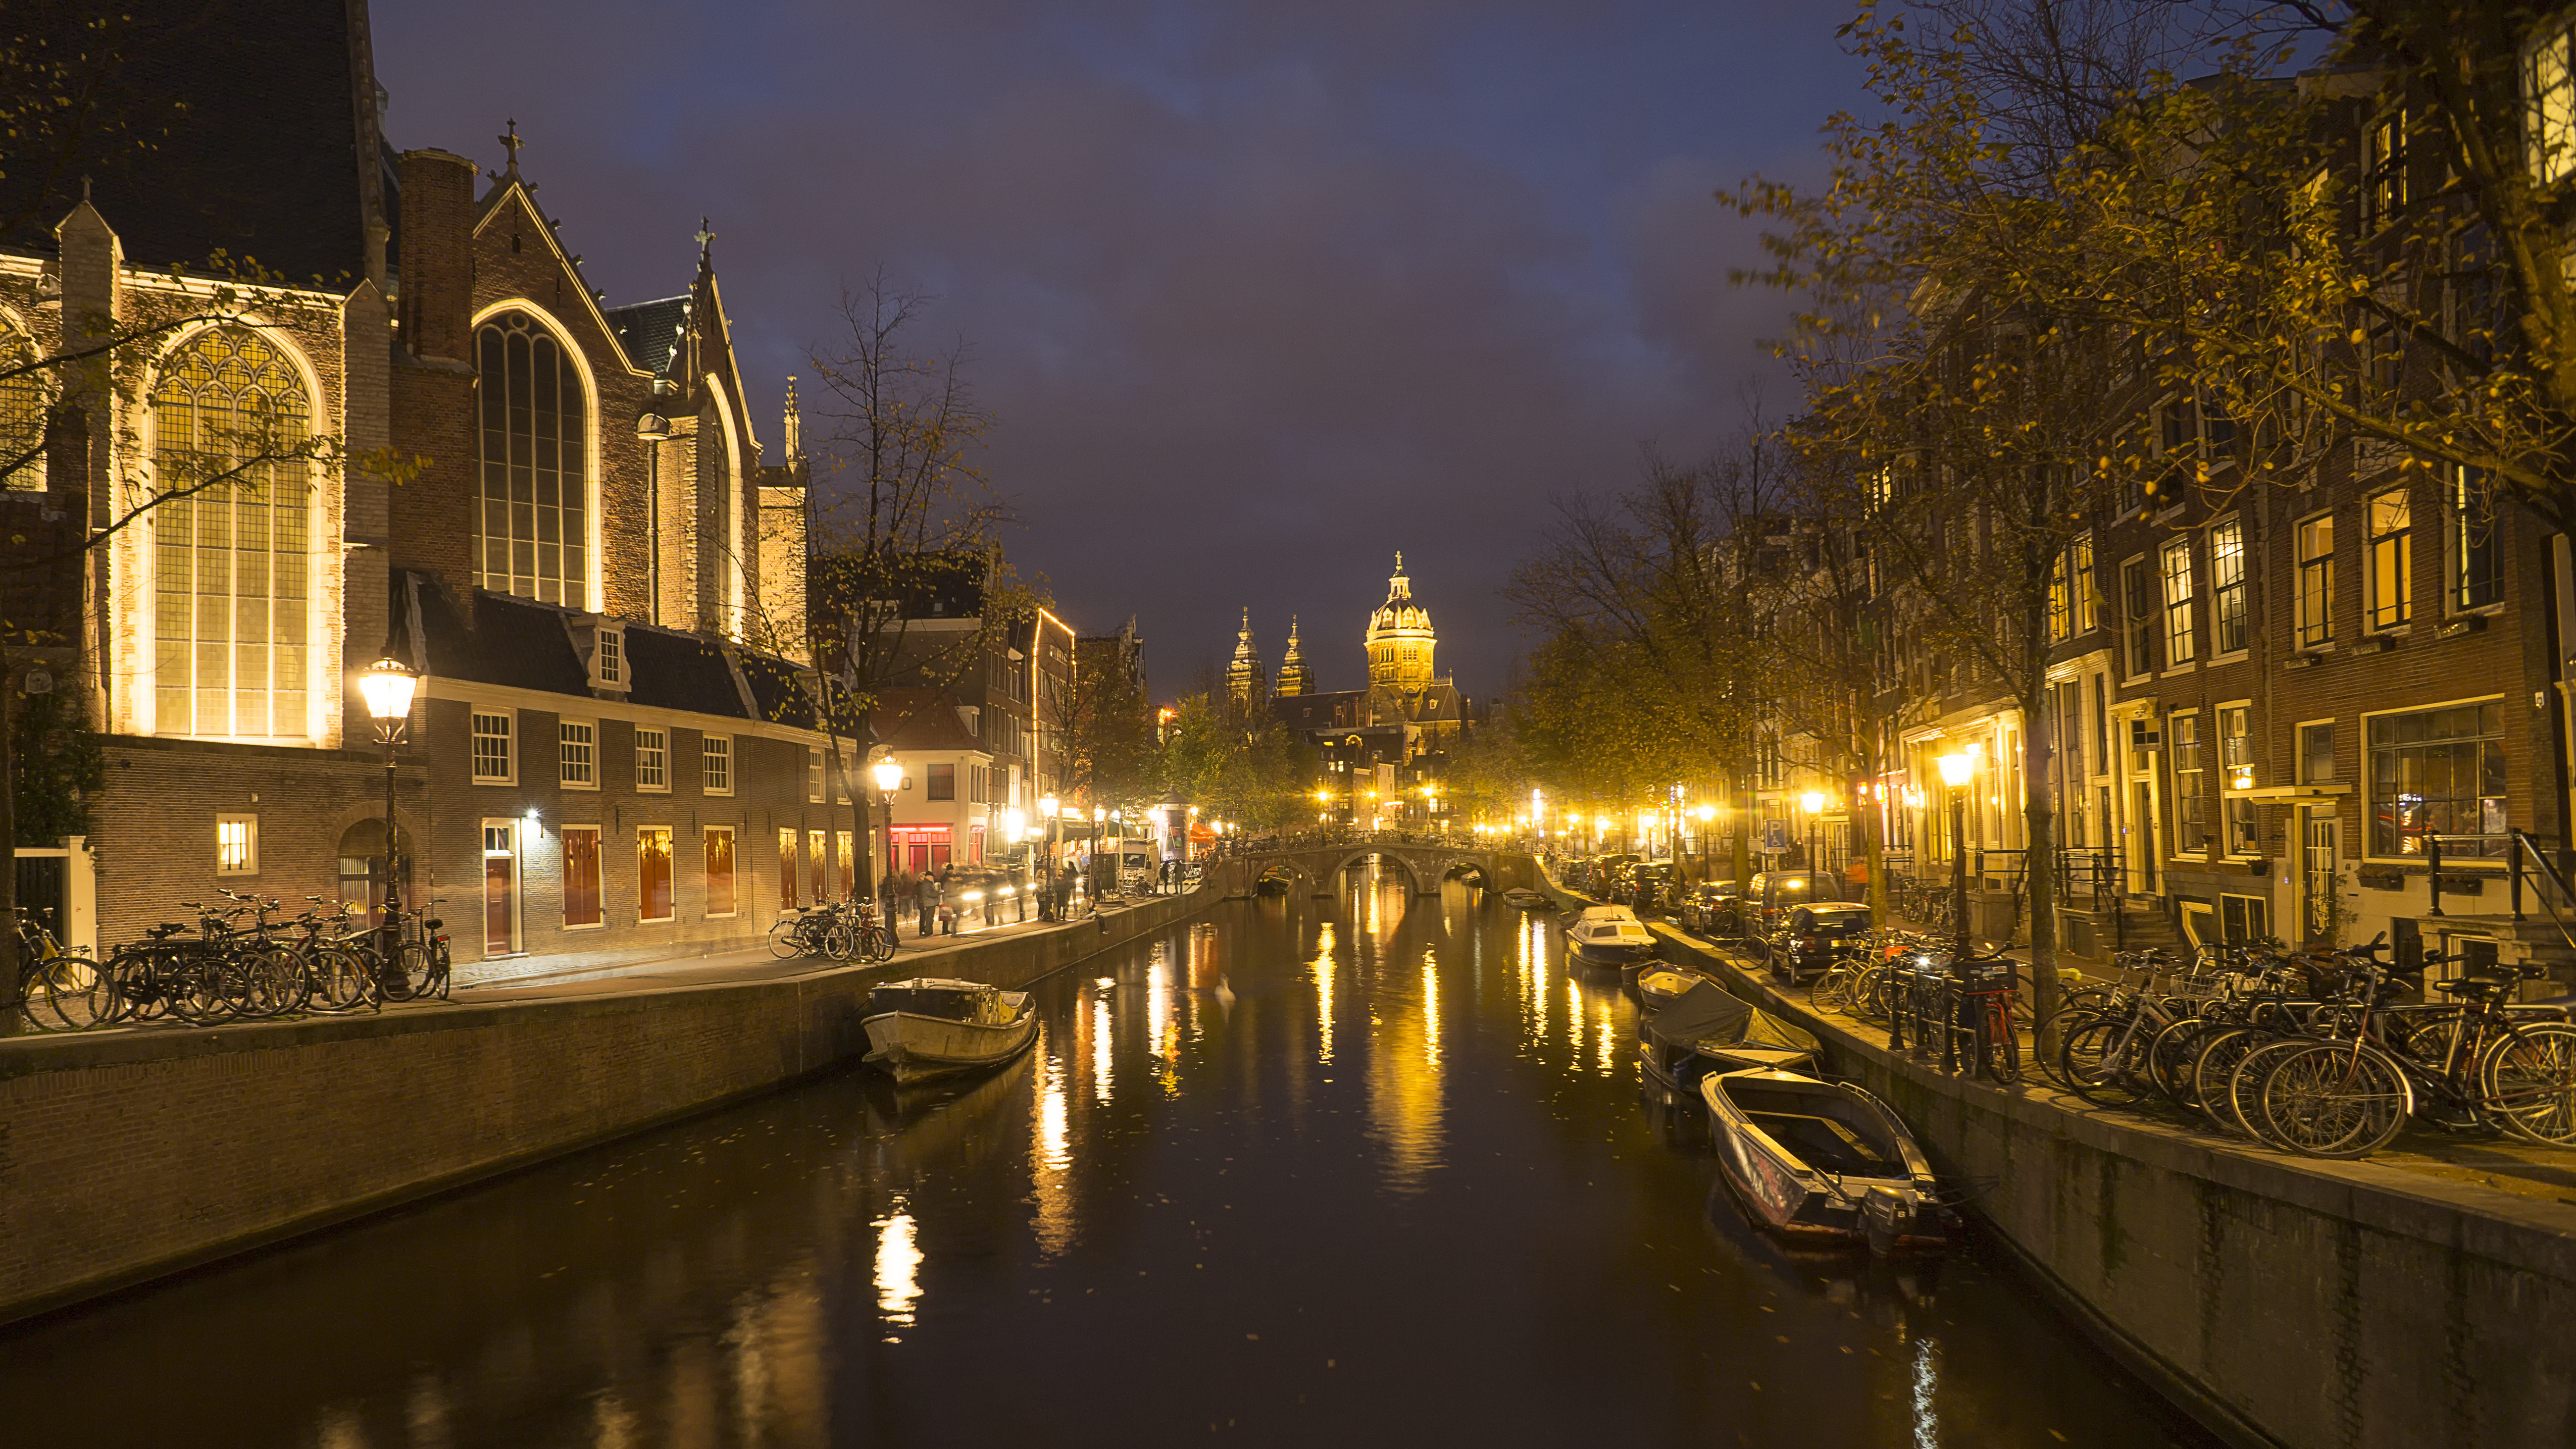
(1014, 824)
(889, 774)
(1957, 769)
(1047, 807)
(1706, 813)
(1814, 801)
(388, 686)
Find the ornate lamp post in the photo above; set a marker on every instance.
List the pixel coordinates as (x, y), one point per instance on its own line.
(1813, 802)
(388, 686)
(1957, 770)
(888, 773)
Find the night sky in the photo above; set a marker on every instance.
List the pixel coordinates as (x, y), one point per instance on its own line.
(1259, 292)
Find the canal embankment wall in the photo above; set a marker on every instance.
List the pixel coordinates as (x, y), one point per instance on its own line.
(131, 1155)
(2281, 1301)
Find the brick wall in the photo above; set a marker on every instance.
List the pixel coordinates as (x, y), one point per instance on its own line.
(128, 1156)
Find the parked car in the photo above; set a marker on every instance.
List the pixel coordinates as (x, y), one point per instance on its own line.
(1809, 937)
(1776, 892)
(1714, 908)
(1649, 885)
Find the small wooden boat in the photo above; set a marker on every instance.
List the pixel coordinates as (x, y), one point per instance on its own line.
(1824, 1162)
(1659, 985)
(928, 1027)
(1522, 898)
(1610, 937)
(1707, 1030)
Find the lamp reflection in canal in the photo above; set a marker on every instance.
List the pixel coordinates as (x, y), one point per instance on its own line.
(1404, 1084)
(898, 1269)
(1574, 1018)
(1161, 1027)
(1050, 1173)
(1927, 1384)
(1430, 1010)
(1603, 1058)
(1101, 1063)
(1323, 967)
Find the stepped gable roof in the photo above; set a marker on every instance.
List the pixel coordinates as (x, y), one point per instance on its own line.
(250, 118)
(651, 331)
(922, 719)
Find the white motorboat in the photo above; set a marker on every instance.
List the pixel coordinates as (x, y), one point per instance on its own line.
(1609, 936)
(1522, 898)
(928, 1027)
(1824, 1162)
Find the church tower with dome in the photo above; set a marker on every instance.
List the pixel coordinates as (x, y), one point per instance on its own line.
(1244, 677)
(1293, 678)
(1399, 640)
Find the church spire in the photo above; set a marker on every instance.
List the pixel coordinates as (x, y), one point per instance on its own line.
(793, 426)
(1293, 678)
(1244, 681)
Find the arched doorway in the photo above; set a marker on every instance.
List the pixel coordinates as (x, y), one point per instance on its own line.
(362, 867)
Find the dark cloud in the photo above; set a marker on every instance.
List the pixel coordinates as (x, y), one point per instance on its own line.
(1260, 292)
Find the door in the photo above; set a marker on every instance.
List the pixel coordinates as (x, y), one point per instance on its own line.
(500, 888)
(2318, 862)
(2142, 840)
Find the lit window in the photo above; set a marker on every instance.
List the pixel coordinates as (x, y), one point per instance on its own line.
(232, 563)
(652, 760)
(579, 752)
(2088, 595)
(2392, 560)
(237, 844)
(2227, 584)
(717, 751)
(720, 891)
(2236, 763)
(2316, 581)
(581, 897)
(2438, 772)
(2177, 581)
(2383, 157)
(492, 746)
(2549, 91)
(534, 533)
(653, 873)
(814, 777)
(2190, 803)
(2061, 605)
(2477, 565)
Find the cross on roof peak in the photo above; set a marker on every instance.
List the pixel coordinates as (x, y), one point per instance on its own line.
(512, 141)
(706, 239)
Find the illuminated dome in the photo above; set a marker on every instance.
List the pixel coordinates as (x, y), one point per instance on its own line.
(1399, 638)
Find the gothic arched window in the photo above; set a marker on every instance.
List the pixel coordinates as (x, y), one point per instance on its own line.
(22, 413)
(232, 552)
(531, 419)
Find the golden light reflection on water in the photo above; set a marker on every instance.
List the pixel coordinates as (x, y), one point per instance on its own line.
(1103, 1065)
(1604, 1059)
(1574, 1016)
(1323, 968)
(1927, 1385)
(1162, 1025)
(1404, 1076)
(1051, 1174)
(898, 1268)
(612, 1424)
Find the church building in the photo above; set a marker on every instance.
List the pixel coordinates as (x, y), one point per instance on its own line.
(1378, 748)
(559, 512)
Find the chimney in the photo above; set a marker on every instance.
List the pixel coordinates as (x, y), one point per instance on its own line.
(437, 287)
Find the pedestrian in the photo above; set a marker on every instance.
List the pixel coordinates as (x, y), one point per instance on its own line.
(1020, 892)
(925, 898)
(948, 900)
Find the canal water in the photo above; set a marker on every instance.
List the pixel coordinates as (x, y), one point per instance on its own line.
(1364, 1171)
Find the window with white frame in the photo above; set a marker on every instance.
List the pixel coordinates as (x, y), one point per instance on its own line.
(610, 656)
(2437, 772)
(2190, 802)
(2316, 581)
(2176, 571)
(2383, 164)
(652, 759)
(2236, 773)
(492, 753)
(2088, 595)
(236, 845)
(2227, 585)
(2138, 606)
(717, 753)
(2390, 575)
(578, 750)
(2061, 602)
(813, 777)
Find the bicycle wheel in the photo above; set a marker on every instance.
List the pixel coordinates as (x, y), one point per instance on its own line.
(1833, 992)
(418, 971)
(2527, 1082)
(881, 943)
(2215, 1063)
(840, 942)
(2333, 1099)
(2100, 1062)
(2243, 1099)
(785, 941)
(1998, 1044)
(344, 980)
(133, 985)
(2169, 1058)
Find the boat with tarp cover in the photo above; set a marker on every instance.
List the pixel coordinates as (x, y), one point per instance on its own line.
(1705, 1029)
(927, 1027)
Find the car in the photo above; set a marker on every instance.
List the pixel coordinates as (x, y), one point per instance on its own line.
(1649, 885)
(1714, 908)
(1811, 935)
(1775, 892)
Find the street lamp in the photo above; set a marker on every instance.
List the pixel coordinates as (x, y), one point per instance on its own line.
(888, 773)
(388, 686)
(1957, 770)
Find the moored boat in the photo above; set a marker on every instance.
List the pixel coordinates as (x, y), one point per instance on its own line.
(1609, 936)
(929, 1027)
(1824, 1162)
(1707, 1030)
(1522, 898)
(1659, 985)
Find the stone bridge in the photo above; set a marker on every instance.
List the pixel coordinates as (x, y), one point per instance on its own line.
(1317, 869)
